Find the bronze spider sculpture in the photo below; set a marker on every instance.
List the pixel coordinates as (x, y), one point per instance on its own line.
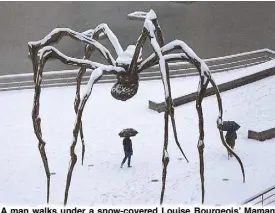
(126, 67)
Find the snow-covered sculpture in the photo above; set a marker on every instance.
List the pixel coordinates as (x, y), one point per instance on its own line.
(126, 67)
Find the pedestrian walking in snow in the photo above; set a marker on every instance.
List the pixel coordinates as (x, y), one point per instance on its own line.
(128, 151)
(230, 127)
(127, 144)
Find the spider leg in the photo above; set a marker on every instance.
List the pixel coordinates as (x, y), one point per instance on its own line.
(204, 73)
(168, 111)
(102, 28)
(80, 74)
(56, 35)
(159, 42)
(202, 88)
(165, 157)
(156, 44)
(43, 55)
(219, 120)
(171, 110)
(149, 31)
(97, 73)
(37, 125)
(37, 129)
(151, 62)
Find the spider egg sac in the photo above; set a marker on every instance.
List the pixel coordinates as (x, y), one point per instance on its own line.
(123, 92)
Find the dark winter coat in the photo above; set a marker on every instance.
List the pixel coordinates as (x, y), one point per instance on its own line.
(231, 134)
(127, 145)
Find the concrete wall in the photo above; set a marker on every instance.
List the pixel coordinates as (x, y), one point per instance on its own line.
(160, 107)
(262, 136)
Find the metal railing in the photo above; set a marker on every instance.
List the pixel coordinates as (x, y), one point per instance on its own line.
(179, 69)
(265, 198)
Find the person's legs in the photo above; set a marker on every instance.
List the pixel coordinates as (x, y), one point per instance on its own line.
(129, 161)
(124, 160)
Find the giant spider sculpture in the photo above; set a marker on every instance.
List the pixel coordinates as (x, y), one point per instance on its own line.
(126, 67)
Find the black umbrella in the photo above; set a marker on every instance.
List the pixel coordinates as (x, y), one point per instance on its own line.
(129, 132)
(230, 126)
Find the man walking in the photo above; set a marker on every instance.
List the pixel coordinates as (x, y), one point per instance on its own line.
(230, 127)
(128, 150)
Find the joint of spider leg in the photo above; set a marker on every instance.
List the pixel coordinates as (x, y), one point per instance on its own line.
(195, 62)
(38, 119)
(75, 131)
(219, 120)
(206, 73)
(167, 107)
(219, 123)
(200, 144)
(166, 160)
(198, 106)
(76, 100)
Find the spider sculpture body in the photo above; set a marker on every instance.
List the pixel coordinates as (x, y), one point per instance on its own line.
(126, 67)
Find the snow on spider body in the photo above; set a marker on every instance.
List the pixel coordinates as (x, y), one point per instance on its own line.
(126, 67)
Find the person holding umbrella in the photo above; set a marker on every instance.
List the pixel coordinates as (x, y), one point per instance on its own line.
(127, 145)
(230, 127)
(128, 151)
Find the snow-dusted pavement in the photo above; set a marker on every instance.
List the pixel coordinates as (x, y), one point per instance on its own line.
(101, 181)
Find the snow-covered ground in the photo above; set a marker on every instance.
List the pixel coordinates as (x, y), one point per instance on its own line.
(101, 181)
